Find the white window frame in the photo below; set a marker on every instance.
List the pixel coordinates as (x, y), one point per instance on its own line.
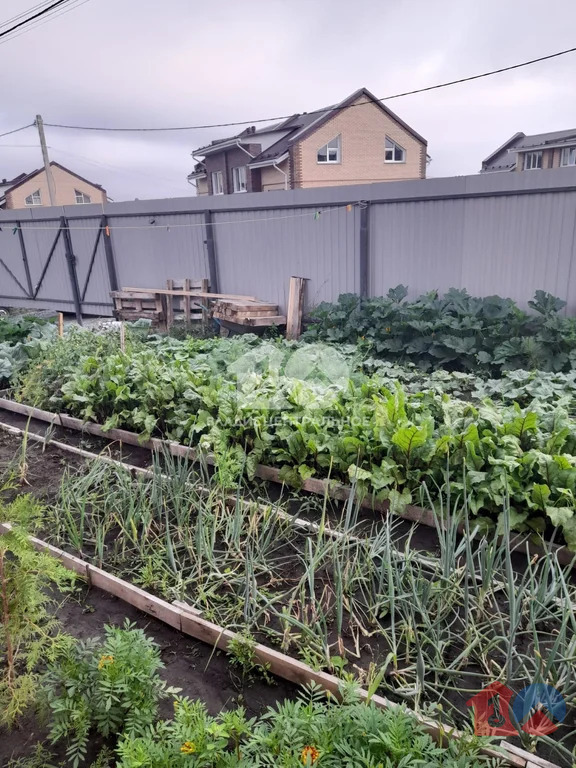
(239, 179)
(568, 157)
(218, 187)
(531, 160)
(82, 198)
(393, 149)
(336, 143)
(35, 198)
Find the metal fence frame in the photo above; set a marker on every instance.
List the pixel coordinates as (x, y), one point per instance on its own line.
(469, 231)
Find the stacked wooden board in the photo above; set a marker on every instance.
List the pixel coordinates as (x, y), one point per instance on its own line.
(251, 312)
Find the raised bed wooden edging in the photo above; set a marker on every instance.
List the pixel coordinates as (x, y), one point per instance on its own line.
(190, 623)
(331, 488)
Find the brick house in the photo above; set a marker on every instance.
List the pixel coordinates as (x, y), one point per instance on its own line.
(358, 141)
(31, 189)
(528, 153)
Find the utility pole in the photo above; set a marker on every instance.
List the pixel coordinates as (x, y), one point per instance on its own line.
(51, 188)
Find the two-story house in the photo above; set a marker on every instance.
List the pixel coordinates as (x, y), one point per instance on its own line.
(528, 153)
(358, 141)
(31, 189)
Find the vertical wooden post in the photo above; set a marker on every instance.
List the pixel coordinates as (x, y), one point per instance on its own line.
(169, 305)
(122, 336)
(60, 324)
(205, 288)
(187, 287)
(295, 303)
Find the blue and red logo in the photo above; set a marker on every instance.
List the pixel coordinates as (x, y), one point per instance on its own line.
(537, 709)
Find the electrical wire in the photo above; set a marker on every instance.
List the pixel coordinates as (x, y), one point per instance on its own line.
(325, 109)
(40, 22)
(315, 213)
(119, 169)
(9, 133)
(33, 17)
(24, 13)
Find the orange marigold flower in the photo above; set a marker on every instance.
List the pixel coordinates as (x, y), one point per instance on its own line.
(105, 660)
(309, 755)
(188, 748)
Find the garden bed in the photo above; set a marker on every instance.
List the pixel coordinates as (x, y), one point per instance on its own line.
(190, 665)
(213, 632)
(332, 489)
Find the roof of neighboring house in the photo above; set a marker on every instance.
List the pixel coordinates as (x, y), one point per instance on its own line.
(300, 126)
(198, 172)
(504, 159)
(24, 177)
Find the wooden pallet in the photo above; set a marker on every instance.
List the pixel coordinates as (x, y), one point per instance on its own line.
(248, 313)
(183, 304)
(134, 305)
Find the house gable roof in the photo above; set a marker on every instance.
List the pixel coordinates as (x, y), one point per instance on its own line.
(521, 142)
(300, 126)
(23, 178)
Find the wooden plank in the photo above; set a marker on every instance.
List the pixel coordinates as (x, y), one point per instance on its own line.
(28, 410)
(71, 562)
(245, 307)
(135, 596)
(295, 304)
(169, 305)
(186, 300)
(253, 321)
(205, 295)
(530, 759)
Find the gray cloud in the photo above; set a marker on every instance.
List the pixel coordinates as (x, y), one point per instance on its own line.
(141, 62)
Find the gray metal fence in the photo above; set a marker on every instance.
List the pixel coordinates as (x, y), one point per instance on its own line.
(503, 233)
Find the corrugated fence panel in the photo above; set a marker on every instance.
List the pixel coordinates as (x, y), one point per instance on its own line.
(93, 278)
(516, 245)
(49, 273)
(418, 244)
(11, 261)
(148, 253)
(508, 234)
(258, 252)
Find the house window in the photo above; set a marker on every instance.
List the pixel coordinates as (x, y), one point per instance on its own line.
(330, 153)
(239, 178)
(217, 183)
(34, 199)
(532, 160)
(568, 156)
(81, 197)
(394, 153)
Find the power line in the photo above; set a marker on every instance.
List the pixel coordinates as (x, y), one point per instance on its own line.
(34, 16)
(8, 133)
(36, 24)
(25, 13)
(325, 109)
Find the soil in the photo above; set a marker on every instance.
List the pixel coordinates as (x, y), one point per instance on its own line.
(195, 667)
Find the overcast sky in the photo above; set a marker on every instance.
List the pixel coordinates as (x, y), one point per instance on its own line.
(177, 62)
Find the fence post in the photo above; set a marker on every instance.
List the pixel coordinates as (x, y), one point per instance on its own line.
(25, 260)
(110, 263)
(364, 253)
(71, 262)
(211, 248)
